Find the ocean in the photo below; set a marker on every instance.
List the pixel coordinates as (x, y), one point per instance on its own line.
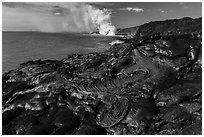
(19, 47)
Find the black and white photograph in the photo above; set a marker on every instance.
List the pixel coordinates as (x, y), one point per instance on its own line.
(101, 68)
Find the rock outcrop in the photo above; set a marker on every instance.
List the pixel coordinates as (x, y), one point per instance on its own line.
(184, 25)
(151, 84)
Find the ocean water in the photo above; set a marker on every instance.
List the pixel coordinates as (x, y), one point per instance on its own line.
(18, 47)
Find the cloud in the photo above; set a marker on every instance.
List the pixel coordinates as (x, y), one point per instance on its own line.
(134, 9)
(102, 4)
(56, 17)
(182, 3)
(163, 11)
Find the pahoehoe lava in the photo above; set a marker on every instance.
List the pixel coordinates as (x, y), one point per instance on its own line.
(150, 84)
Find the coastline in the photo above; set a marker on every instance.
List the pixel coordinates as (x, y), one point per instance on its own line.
(20, 47)
(143, 85)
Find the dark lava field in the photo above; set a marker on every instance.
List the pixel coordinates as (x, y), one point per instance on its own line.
(149, 84)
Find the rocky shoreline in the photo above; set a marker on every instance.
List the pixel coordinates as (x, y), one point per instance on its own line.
(151, 83)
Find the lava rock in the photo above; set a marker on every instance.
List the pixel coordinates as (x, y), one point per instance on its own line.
(149, 84)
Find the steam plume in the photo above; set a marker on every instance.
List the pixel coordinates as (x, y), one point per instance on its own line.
(58, 17)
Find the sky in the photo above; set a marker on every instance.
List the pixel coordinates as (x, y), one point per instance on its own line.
(152, 11)
(75, 16)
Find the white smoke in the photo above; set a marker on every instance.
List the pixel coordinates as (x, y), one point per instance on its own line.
(102, 20)
(58, 17)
